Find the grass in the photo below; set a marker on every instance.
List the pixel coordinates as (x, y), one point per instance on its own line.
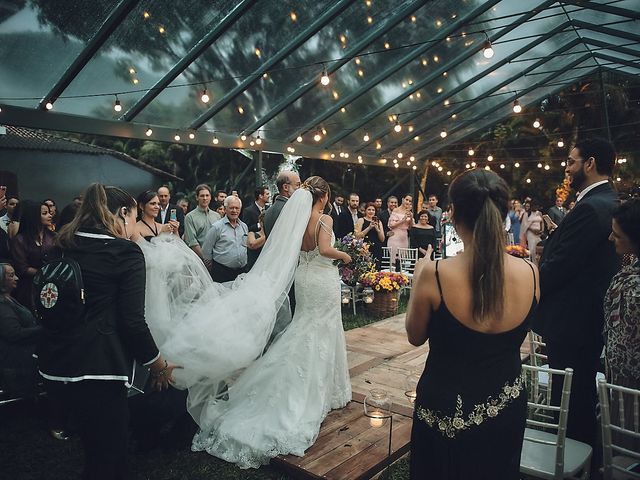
(27, 452)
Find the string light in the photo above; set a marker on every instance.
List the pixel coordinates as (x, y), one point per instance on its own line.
(467, 166)
(243, 137)
(449, 172)
(117, 106)
(205, 96)
(366, 137)
(539, 165)
(176, 137)
(517, 108)
(359, 158)
(473, 164)
(517, 165)
(528, 180)
(215, 140)
(490, 158)
(487, 167)
(536, 123)
(396, 165)
(318, 136)
(412, 158)
(400, 155)
(563, 164)
(324, 131)
(397, 127)
(369, 20)
(192, 135)
(560, 143)
(240, 109)
(378, 145)
(487, 49)
(149, 132)
(417, 138)
(324, 79)
(135, 81)
(502, 165)
(132, 70)
(293, 16)
(440, 169)
(257, 52)
(299, 139)
(252, 143)
(471, 152)
(146, 15)
(443, 133)
(161, 30)
(415, 167)
(333, 155)
(547, 167)
(258, 140)
(48, 105)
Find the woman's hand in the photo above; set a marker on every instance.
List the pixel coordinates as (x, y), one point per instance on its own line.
(346, 258)
(162, 377)
(171, 227)
(422, 262)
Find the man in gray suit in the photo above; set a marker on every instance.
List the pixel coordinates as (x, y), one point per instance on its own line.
(287, 183)
(557, 212)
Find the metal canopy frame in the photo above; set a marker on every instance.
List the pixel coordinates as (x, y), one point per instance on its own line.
(599, 40)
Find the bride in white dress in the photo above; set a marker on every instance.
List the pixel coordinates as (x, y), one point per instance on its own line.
(277, 401)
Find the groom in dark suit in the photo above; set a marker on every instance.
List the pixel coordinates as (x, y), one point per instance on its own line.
(164, 215)
(575, 271)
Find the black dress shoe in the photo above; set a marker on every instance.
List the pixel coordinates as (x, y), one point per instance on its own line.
(59, 435)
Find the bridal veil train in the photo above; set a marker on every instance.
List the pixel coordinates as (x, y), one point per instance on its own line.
(278, 399)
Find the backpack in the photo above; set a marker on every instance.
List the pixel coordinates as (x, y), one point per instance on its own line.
(58, 294)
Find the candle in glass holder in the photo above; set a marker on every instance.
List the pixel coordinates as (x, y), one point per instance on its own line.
(411, 396)
(376, 419)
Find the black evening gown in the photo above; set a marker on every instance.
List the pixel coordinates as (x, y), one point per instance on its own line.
(422, 238)
(470, 410)
(376, 245)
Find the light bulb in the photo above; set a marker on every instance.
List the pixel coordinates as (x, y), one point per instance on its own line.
(317, 137)
(205, 96)
(528, 180)
(117, 106)
(299, 139)
(408, 164)
(467, 166)
(443, 134)
(396, 165)
(502, 165)
(517, 165)
(192, 135)
(378, 145)
(258, 140)
(243, 137)
(257, 52)
(414, 167)
(449, 172)
(176, 137)
(487, 50)
(149, 132)
(517, 108)
(366, 137)
(560, 143)
(536, 123)
(215, 140)
(547, 167)
(539, 165)
(397, 127)
(48, 105)
(487, 167)
(293, 16)
(412, 158)
(563, 164)
(471, 152)
(490, 158)
(440, 169)
(240, 109)
(324, 79)
(400, 155)
(333, 155)
(323, 130)
(252, 143)
(473, 164)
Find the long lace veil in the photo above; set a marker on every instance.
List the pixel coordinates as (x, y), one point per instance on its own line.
(213, 330)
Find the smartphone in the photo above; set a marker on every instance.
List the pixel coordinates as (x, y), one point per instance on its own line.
(374, 219)
(172, 215)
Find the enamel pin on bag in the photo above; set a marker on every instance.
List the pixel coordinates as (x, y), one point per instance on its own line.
(58, 294)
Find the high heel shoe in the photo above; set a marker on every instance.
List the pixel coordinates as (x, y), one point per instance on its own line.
(59, 435)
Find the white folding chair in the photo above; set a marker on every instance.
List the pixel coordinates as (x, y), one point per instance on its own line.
(408, 258)
(620, 437)
(385, 261)
(546, 451)
(538, 359)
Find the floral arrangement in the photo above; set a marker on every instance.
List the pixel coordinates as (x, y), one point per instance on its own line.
(361, 260)
(389, 281)
(563, 190)
(517, 251)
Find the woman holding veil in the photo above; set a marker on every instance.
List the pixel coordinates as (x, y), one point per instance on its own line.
(278, 399)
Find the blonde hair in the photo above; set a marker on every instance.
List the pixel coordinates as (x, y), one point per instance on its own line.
(99, 209)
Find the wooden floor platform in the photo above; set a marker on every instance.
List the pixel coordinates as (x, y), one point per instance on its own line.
(348, 448)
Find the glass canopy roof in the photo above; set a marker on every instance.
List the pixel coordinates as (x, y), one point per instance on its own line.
(411, 65)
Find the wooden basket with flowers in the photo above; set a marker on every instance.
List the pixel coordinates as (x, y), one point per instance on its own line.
(386, 287)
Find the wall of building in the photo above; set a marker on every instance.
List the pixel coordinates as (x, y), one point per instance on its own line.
(62, 176)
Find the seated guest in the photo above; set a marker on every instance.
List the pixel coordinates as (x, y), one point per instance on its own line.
(370, 228)
(225, 244)
(422, 234)
(31, 247)
(622, 301)
(19, 336)
(474, 308)
(166, 207)
(147, 226)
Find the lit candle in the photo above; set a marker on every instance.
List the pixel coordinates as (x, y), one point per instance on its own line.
(411, 395)
(376, 419)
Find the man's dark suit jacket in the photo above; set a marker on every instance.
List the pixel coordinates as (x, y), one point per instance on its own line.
(272, 213)
(179, 217)
(250, 215)
(345, 223)
(576, 268)
(556, 214)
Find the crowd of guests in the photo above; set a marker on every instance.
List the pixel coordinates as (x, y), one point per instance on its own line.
(584, 300)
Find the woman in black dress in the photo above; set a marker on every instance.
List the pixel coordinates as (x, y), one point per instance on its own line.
(474, 309)
(422, 234)
(370, 228)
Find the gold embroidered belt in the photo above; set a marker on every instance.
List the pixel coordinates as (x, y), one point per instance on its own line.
(449, 426)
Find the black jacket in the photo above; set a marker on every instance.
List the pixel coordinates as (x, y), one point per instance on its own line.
(113, 332)
(576, 268)
(344, 223)
(272, 214)
(250, 215)
(179, 217)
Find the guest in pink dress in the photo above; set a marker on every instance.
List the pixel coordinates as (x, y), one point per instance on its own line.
(400, 221)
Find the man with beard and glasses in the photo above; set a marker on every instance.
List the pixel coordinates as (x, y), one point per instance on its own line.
(575, 271)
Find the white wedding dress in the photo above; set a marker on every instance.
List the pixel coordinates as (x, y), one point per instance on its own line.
(276, 401)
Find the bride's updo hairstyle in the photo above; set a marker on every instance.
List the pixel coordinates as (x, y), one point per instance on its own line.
(100, 208)
(480, 201)
(318, 186)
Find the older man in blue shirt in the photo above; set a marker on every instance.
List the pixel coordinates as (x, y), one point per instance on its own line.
(226, 243)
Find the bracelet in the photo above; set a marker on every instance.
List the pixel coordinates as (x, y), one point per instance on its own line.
(161, 372)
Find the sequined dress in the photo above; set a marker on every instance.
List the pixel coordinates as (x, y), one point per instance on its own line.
(470, 411)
